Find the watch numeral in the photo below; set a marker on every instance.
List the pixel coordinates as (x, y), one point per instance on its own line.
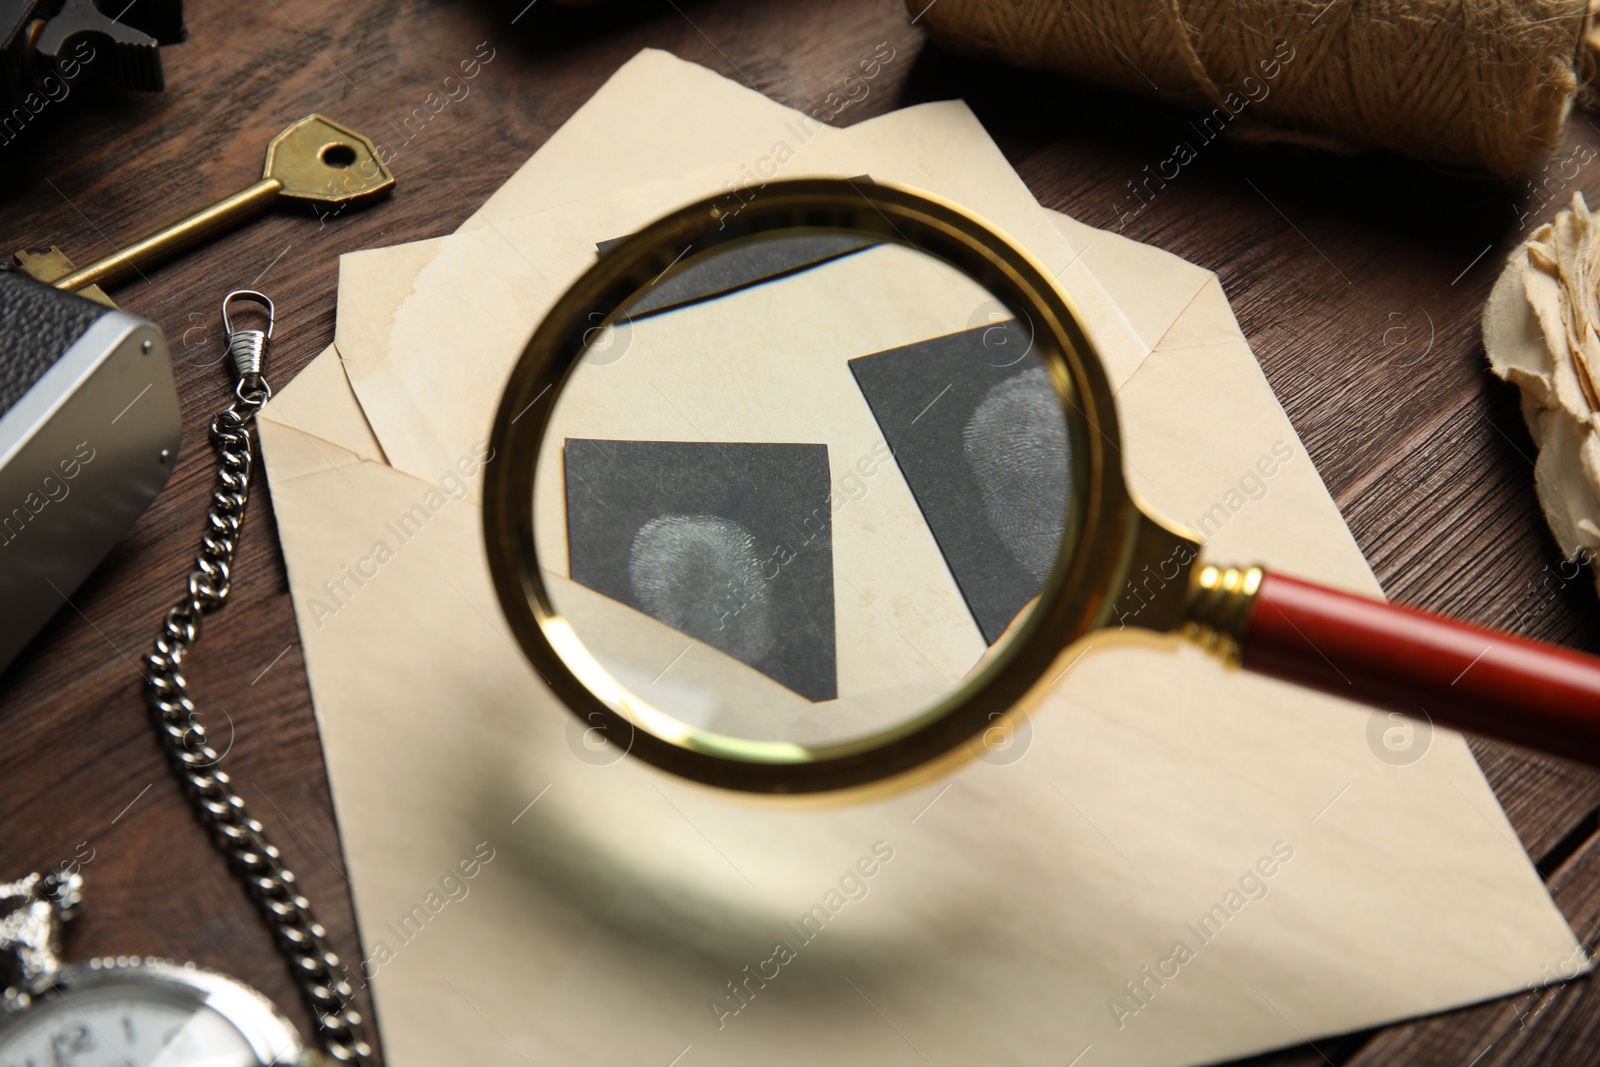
(68, 1043)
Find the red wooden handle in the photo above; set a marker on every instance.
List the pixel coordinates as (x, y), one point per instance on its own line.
(1476, 680)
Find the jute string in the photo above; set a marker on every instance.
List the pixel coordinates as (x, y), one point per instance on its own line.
(1480, 83)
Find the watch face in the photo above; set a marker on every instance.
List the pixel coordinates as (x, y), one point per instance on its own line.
(131, 1014)
(132, 1025)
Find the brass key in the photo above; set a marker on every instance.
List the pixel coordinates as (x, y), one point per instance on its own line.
(315, 161)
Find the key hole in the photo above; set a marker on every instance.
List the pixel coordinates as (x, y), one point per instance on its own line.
(338, 156)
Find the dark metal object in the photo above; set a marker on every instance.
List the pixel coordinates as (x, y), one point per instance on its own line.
(46, 46)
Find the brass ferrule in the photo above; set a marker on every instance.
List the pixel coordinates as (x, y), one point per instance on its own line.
(1217, 612)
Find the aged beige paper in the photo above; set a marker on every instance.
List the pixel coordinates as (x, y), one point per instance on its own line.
(652, 110)
(1122, 266)
(1184, 865)
(427, 351)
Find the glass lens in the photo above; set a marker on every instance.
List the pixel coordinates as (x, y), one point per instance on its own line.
(802, 487)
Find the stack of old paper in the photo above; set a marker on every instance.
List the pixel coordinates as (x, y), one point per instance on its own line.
(1184, 865)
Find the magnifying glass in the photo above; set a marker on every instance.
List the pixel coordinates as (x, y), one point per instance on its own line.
(807, 487)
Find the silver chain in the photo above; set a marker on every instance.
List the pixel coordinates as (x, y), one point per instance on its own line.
(303, 940)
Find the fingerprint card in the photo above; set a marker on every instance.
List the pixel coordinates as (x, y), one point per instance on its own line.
(717, 540)
(981, 439)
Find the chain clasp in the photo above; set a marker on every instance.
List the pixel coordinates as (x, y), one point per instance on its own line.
(248, 347)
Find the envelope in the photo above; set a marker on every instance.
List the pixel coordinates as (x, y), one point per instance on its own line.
(1175, 864)
(427, 350)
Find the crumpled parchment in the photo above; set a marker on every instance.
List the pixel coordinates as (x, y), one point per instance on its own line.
(1540, 331)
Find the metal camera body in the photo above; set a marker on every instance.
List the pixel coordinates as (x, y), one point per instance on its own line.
(89, 428)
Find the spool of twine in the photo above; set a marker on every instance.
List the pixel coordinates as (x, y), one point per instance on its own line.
(1480, 83)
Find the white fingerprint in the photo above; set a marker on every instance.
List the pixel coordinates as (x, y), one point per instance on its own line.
(700, 574)
(1016, 445)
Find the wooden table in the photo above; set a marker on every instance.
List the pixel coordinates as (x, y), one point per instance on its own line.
(1358, 282)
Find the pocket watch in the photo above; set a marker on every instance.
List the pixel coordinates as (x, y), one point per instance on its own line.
(120, 1010)
(132, 1012)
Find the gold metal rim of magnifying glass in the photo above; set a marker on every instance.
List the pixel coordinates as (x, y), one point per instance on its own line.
(1113, 536)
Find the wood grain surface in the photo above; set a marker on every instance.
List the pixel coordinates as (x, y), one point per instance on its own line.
(1358, 281)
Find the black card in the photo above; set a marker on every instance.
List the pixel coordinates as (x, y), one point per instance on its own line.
(982, 442)
(741, 265)
(729, 543)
